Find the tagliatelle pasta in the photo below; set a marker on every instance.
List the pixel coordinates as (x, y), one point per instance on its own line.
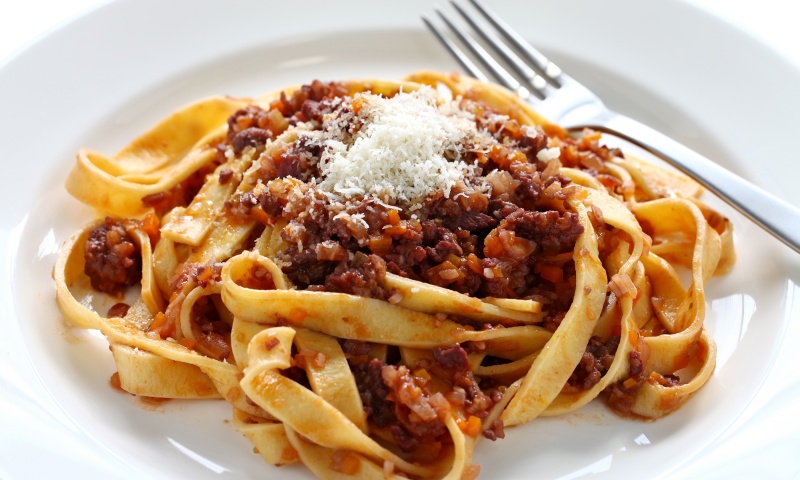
(377, 275)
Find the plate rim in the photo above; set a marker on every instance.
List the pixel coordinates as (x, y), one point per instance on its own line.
(10, 226)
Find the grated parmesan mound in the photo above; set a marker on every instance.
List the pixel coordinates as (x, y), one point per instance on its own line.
(400, 153)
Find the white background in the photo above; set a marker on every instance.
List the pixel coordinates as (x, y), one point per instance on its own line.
(774, 22)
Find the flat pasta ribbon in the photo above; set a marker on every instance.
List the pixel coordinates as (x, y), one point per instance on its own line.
(366, 337)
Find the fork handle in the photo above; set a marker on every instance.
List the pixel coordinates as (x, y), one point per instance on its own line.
(774, 215)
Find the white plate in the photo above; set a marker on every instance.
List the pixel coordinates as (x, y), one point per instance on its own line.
(104, 78)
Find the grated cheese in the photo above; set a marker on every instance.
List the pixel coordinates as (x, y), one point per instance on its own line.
(400, 152)
(548, 154)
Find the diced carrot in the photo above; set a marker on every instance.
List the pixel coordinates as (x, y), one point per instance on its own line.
(512, 128)
(499, 155)
(422, 375)
(517, 157)
(159, 321)
(188, 343)
(552, 273)
(474, 263)
(260, 215)
(150, 225)
(395, 229)
(393, 217)
(205, 275)
(454, 259)
(380, 243)
(470, 426)
(243, 122)
(276, 104)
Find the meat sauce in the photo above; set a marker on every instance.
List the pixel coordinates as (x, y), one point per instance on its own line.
(505, 241)
(113, 260)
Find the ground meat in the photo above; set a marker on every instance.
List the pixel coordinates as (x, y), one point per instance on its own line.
(466, 212)
(553, 319)
(392, 398)
(374, 394)
(254, 126)
(533, 140)
(621, 398)
(635, 363)
(355, 348)
(530, 185)
(271, 205)
(291, 164)
(512, 281)
(245, 118)
(501, 234)
(316, 91)
(250, 137)
(195, 274)
(118, 310)
(443, 249)
(552, 231)
(454, 364)
(211, 333)
(453, 359)
(403, 438)
(225, 176)
(668, 380)
(113, 261)
(305, 269)
(361, 277)
(496, 241)
(495, 431)
(500, 209)
(313, 110)
(594, 364)
(622, 394)
(418, 413)
(475, 221)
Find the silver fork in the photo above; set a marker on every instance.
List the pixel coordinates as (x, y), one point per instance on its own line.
(563, 100)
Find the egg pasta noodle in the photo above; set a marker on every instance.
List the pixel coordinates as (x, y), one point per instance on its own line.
(377, 275)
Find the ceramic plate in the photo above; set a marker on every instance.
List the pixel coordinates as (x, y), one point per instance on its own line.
(107, 76)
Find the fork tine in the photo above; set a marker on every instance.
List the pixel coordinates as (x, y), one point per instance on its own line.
(536, 81)
(550, 70)
(502, 75)
(454, 50)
